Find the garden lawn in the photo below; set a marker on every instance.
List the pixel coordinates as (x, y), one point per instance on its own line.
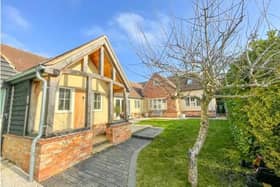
(164, 162)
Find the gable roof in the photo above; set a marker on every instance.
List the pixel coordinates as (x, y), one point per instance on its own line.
(21, 60)
(163, 80)
(73, 55)
(67, 58)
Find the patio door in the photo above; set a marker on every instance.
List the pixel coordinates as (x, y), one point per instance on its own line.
(118, 108)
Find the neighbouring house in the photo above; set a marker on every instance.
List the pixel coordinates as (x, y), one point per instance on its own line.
(174, 97)
(65, 102)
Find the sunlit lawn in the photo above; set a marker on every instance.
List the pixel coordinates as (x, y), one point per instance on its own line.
(164, 162)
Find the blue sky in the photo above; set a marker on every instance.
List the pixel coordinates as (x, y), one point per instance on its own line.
(50, 27)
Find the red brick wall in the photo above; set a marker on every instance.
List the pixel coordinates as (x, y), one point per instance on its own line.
(163, 90)
(17, 149)
(119, 133)
(160, 91)
(99, 129)
(53, 155)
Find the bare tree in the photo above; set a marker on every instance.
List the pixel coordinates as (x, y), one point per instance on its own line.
(203, 48)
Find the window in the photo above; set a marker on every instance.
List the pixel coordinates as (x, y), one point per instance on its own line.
(137, 103)
(97, 102)
(189, 81)
(158, 104)
(155, 83)
(64, 99)
(192, 101)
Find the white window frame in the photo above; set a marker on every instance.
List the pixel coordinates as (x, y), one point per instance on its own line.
(93, 101)
(193, 102)
(137, 104)
(158, 104)
(71, 101)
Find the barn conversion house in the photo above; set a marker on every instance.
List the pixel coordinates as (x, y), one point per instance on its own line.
(54, 110)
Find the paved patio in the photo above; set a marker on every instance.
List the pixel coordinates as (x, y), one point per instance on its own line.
(114, 167)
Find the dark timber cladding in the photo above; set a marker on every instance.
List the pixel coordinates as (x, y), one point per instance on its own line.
(6, 71)
(20, 104)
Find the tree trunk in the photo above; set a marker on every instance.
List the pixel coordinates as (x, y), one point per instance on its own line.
(194, 151)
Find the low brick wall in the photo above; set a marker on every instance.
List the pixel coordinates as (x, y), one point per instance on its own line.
(53, 155)
(17, 149)
(119, 132)
(197, 113)
(170, 114)
(99, 129)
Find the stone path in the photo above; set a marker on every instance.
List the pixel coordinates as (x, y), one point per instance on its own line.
(114, 167)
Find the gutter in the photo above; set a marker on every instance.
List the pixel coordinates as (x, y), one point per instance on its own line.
(23, 76)
(41, 124)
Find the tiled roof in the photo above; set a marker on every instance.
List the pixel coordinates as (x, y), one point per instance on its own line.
(21, 60)
(136, 90)
(186, 84)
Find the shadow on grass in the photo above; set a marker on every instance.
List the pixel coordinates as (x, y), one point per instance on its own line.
(164, 162)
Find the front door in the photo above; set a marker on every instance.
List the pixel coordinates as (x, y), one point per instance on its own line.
(79, 111)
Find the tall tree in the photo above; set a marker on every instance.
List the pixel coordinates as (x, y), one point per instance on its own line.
(203, 48)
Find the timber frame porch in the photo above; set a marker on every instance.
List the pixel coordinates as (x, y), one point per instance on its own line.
(74, 144)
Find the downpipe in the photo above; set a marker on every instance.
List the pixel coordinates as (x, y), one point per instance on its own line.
(41, 125)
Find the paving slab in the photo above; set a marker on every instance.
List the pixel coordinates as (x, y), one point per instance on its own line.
(113, 167)
(148, 133)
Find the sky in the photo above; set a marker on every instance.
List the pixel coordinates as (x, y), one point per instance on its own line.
(51, 27)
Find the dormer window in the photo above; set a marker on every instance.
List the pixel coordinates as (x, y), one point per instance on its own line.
(155, 83)
(189, 81)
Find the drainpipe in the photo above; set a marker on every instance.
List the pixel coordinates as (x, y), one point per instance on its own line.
(41, 125)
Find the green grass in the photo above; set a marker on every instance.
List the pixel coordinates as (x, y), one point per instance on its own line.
(164, 162)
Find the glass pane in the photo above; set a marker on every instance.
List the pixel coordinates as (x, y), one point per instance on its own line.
(61, 92)
(60, 105)
(67, 105)
(67, 93)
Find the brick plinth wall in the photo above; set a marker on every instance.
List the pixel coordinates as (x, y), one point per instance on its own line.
(118, 133)
(53, 155)
(17, 149)
(99, 129)
(197, 113)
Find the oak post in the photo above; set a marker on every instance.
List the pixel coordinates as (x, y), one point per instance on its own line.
(101, 61)
(126, 115)
(53, 83)
(89, 103)
(111, 102)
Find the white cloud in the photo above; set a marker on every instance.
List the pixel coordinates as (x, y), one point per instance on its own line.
(15, 17)
(136, 27)
(126, 29)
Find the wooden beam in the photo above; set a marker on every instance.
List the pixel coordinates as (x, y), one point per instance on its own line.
(101, 61)
(53, 83)
(113, 74)
(62, 62)
(89, 103)
(126, 105)
(92, 75)
(85, 64)
(111, 103)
